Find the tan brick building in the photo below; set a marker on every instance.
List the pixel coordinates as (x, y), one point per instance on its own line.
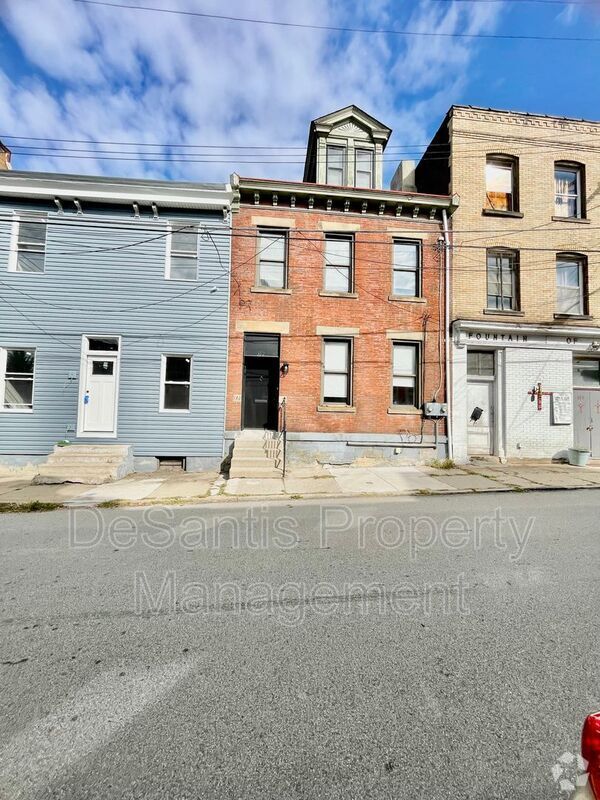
(525, 305)
(337, 291)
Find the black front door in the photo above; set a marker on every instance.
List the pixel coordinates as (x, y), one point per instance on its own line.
(261, 381)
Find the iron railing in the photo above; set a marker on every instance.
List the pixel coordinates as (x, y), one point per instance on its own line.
(280, 459)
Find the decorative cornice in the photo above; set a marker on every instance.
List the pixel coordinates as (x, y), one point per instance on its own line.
(526, 120)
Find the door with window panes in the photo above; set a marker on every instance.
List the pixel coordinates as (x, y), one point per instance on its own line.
(586, 404)
(480, 402)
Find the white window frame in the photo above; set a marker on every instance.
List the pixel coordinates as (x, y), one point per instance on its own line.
(3, 362)
(344, 149)
(171, 226)
(332, 236)
(370, 171)
(418, 244)
(163, 382)
(13, 259)
(85, 352)
(349, 342)
(579, 261)
(263, 256)
(416, 347)
(564, 166)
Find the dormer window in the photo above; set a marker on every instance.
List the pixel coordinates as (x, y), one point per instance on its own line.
(345, 148)
(364, 169)
(336, 165)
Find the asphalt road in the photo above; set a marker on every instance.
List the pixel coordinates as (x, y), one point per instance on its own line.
(298, 655)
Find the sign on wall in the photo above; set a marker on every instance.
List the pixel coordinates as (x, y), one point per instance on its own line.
(562, 408)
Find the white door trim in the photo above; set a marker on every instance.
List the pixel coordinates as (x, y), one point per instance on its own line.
(86, 354)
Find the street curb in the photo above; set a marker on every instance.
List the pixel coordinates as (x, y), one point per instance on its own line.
(271, 498)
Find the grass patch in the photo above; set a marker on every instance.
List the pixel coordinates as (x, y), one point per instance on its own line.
(295, 497)
(424, 491)
(442, 463)
(26, 508)
(109, 504)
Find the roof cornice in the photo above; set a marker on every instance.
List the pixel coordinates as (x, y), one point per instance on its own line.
(344, 192)
(47, 186)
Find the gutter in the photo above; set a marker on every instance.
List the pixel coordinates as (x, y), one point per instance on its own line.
(447, 257)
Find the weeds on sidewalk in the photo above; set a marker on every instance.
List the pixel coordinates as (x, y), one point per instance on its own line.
(25, 508)
(442, 463)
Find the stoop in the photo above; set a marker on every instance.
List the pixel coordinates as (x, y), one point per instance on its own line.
(256, 454)
(86, 463)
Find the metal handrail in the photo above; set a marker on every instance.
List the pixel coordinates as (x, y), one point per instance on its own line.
(282, 438)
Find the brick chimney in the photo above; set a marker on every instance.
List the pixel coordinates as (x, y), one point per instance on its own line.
(4, 157)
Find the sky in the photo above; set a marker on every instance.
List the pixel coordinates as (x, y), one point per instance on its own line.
(160, 81)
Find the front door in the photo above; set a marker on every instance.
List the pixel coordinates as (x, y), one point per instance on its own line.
(586, 420)
(261, 381)
(260, 397)
(100, 394)
(480, 417)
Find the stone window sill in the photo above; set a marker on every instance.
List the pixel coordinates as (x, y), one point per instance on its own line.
(492, 212)
(578, 220)
(347, 295)
(497, 313)
(405, 410)
(269, 290)
(573, 316)
(334, 407)
(398, 298)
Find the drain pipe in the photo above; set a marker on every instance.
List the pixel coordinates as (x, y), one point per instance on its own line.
(447, 332)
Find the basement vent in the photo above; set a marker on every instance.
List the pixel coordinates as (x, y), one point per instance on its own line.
(171, 462)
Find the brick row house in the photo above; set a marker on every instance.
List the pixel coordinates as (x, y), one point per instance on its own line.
(337, 304)
(454, 313)
(524, 302)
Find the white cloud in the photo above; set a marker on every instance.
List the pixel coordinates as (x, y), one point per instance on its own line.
(96, 73)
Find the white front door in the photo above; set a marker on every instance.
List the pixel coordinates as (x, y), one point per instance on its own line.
(100, 394)
(480, 417)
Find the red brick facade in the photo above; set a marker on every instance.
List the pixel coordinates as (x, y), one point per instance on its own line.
(377, 317)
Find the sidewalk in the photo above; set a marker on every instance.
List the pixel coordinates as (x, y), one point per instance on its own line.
(312, 481)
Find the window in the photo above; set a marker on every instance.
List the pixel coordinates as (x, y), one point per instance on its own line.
(407, 259)
(500, 183)
(17, 385)
(586, 372)
(568, 190)
(364, 169)
(570, 281)
(30, 245)
(176, 383)
(272, 251)
(502, 280)
(337, 360)
(405, 381)
(338, 263)
(336, 165)
(480, 363)
(182, 262)
(108, 344)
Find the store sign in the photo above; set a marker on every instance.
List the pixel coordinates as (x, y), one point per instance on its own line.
(562, 408)
(514, 338)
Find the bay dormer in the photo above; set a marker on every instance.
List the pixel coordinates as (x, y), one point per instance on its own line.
(345, 148)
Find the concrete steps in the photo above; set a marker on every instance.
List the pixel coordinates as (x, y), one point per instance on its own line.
(255, 455)
(81, 463)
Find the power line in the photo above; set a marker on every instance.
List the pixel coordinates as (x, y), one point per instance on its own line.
(339, 29)
(250, 231)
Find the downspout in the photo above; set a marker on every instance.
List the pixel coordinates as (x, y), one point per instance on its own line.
(447, 257)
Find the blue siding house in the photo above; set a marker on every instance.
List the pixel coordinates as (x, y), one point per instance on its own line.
(113, 316)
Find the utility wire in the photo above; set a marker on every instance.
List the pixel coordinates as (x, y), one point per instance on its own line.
(340, 29)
